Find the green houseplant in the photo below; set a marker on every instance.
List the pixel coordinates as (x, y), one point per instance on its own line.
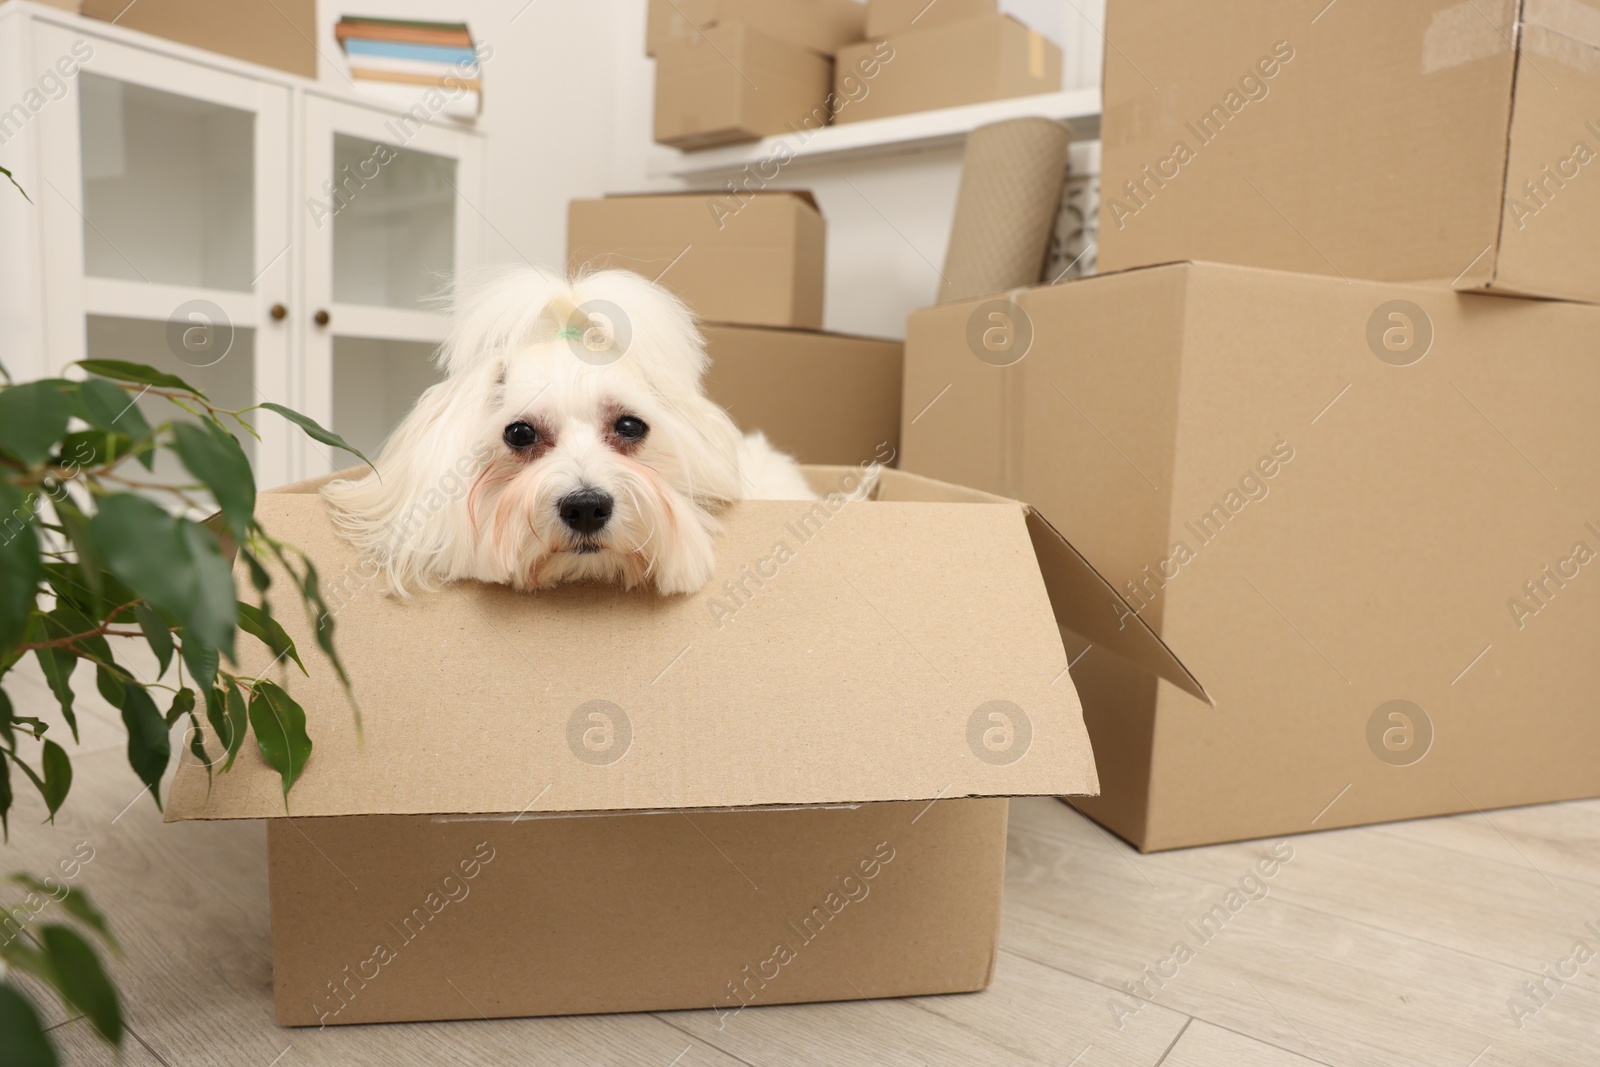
(95, 552)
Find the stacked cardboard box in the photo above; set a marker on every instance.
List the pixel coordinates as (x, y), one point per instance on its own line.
(922, 56)
(739, 70)
(274, 33)
(1358, 513)
(751, 268)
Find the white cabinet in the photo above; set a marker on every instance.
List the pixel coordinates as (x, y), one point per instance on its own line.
(262, 237)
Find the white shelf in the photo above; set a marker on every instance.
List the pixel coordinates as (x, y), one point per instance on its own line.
(144, 300)
(901, 133)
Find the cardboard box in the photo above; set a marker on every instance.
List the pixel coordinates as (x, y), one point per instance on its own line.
(825, 398)
(758, 261)
(824, 26)
(888, 17)
(973, 61)
(1326, 497)
(274, 33)
(1392, 141)
(731, 83)
(597, 801)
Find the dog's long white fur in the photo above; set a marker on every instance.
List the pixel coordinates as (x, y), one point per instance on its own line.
(449, 500)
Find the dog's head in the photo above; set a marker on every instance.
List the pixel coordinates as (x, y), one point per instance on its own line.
(570, 440)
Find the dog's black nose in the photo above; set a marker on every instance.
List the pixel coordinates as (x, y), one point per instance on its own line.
(586, 511)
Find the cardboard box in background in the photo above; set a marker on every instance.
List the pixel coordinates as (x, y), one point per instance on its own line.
(824, 26)
(274, 33)
(759, 263)
(543, 857)
(731, 83)
(887, 17)
(1394, 141)
(1363, 515)
(973, 61)
(823, 398)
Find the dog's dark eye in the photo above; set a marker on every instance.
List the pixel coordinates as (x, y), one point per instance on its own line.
(630, 428)
(520, 435)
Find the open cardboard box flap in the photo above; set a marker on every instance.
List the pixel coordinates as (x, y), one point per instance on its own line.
(805, 196)
(847, 651)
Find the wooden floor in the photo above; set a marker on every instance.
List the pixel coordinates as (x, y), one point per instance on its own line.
(1401, 944)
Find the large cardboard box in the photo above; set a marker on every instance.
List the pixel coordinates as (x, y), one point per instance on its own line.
(993, 57)
(731, 83)
(756, 259)
(1362, 515)
(823, 26)
(274, 33)
(888, 17)
(1431, 140)
(825, 398)
(591, 800)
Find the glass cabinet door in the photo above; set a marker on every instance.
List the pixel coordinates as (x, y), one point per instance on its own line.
(389, 219)
(163, 196)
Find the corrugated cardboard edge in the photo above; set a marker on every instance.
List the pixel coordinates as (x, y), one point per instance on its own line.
(804, 195)
(806, 330)
(1556, 30)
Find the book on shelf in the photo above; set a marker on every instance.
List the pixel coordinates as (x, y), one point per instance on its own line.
(408, 62)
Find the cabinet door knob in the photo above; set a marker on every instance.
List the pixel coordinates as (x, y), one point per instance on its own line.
(322, 318)
(278, 312)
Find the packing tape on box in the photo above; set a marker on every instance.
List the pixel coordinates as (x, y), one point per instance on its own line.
(1566, 31)
(1570, 18)
(1467, 32)
(1559, 48)
(1012, 177)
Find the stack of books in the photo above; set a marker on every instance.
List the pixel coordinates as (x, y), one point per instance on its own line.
(409, 63)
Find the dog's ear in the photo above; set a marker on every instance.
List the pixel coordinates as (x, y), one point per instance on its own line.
(707, 446)
(406, 515)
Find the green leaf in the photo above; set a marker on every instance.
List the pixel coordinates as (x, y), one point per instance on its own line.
(149, 747)
(57, 779)
(225, 710)
(310, 588)
(67, 621)
(138, 373)
(280, 728)
(20, 567)
(197, 747)
(6, 796)
(57, 665)
(109, 684)
(75, 903)
(314, 431)
(7, 731)
(213, 456)
(259, 624)
(29, 199)
(26, 1045)
(171, 562)
(157, 634)
(201, 659)
(109, 407)
(258, 574)
(182, 704)
(33, 417)
(91, 448)
(81, 981)
(238, 720)
(83, 584)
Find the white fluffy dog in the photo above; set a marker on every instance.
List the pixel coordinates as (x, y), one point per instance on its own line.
(597, 455)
